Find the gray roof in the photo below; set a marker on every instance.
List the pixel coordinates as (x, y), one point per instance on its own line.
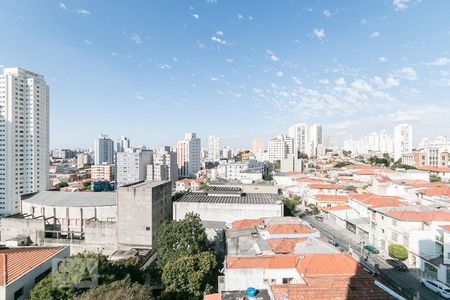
(75, 199)
(223, 188)
(250, 198)
(144, 184)
(233, 295)
(312, 245)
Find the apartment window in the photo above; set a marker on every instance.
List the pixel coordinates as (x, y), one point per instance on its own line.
(18, 293)
(394, 236)
(288, 280)
(147, 228)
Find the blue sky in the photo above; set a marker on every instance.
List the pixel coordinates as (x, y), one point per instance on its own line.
(153, 70)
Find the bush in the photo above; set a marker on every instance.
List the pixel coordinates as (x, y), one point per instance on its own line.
(398, 252)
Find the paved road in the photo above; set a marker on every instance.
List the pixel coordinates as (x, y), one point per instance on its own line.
(345, 239)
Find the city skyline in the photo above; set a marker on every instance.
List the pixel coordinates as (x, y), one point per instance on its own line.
(353, 68)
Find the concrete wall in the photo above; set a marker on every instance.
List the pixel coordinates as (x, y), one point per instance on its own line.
(140, 211)
(241, 279)
(13, 227)
(226, 212)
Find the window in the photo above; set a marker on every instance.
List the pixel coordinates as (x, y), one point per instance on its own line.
(18, 293)
(288, 280)
(147, 228)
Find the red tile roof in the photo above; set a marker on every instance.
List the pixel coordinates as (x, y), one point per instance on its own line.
(339, 207)
(15, 262)
(326, 186)
(331, 198)
(420, 216)
(327, 264)
(446, 227)
(285, 245)
(417, 183)
(434, 169)
(438, 191)
(247, 223)
(215, 296)
(373, 200)
(309, 180)
(262, 262)
(289, 229)
(365, 172)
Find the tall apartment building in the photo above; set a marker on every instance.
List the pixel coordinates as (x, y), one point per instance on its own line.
(122, 144)
(213, 148)
(63, 153)
(279, 147)
(315, 140)
(164, 166)
(132, 165)
(375, 142)
(24, 136)
(257, 145)
(402, 140)
(83, 159)
(104, 150)
(299, 133)
(434, 153)
(189, 155)
(227, 152)
(103, 172)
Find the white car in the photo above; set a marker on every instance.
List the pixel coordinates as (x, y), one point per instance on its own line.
(438, 287)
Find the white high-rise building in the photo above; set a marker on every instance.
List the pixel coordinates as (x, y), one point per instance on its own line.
(104, 150)
(279, 147)
(24, 132)
(164, 166)
(227, 152)
(315, 140)
(402, 140)
(189, 155)
(299, 133)
(122, 144)
(213, 148)
(132, 165)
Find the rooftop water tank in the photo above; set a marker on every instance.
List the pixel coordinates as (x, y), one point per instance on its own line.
(251, 292)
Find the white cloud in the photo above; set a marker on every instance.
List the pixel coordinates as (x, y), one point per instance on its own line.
(272, 56)
(319, 33)
(219, 33)
(400, 5)
(214, 78)
(229, 60)
(389, 83)
(138, 96)
(83, 12)
(165, 66)
(89, 42)
(196, 16)
(361, 85)
(340, 81)
(280, 74)
(326, 13)
(113, 53)
(382, 59)
(211, 1)
(218, 40)
(324, 81)
(136, 38)
(407, 73)
(421, 113)
(442, 61)
(240, 17)
(375, 34)
(62, 6)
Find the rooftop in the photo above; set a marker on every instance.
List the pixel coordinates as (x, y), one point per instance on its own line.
(289, 229)
(326, 186)
(331, 198)
(64, 199)
(144, 184)
(375, 201)
(434, 169)
(15, 262)
(246, 223)
(250, 198)
(420, 216)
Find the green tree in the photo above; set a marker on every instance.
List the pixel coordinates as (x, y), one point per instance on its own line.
(434, 178)
(123, 289)
(290, 204)
(314, 209)
(177, 196)
(341, 164)
(203, 185)
(398, 251)
(175, 239)
(189, 277)
(55, 285)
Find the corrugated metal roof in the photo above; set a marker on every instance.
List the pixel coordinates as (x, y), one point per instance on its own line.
(251, 198)
(75, 199)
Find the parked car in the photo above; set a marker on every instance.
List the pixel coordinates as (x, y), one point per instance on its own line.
(398, 265)
(318, 218)
(371, 249)
(438, 287)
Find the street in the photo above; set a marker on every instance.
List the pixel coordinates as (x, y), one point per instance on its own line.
(345, 239)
